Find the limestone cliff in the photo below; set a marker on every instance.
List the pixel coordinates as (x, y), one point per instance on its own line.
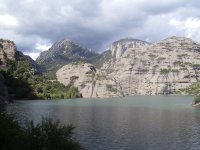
(140, 68)
(159, 68)
(89, 80)
(8, 50)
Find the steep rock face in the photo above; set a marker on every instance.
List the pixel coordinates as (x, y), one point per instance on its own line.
(7, 49)
(135, 67)
(63, 52)
(159, 68)
(119, 47)
(89, 80)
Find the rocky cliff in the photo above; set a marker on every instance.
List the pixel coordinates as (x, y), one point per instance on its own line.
(8, 50)
(140, 68)
(90, 81)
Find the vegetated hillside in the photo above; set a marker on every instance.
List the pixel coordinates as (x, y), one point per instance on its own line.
(24, 81)
(137, 67)
(22, 84)
(62, 53)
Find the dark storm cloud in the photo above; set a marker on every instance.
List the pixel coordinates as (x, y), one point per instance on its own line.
(33, 24)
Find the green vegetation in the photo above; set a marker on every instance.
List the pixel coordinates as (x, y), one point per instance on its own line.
(182, 55)
(46, 135)
(161, 58)
(165, 71)
(175, 70)
(23, 84)
(111, 88)
(152, 56)
(177, 63)
(197, 100)
(156, 66)
(194, 89)
(196, 65)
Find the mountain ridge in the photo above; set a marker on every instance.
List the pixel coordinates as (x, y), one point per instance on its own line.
(62, 52)
(137, 67)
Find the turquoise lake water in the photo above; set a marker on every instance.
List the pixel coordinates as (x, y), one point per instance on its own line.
(130, 123)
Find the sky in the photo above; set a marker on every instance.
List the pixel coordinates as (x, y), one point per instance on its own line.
(34, 25)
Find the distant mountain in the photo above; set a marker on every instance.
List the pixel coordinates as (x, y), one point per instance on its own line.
(62, 53)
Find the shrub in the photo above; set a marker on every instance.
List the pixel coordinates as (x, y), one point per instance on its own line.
(197, 99)
(47, 135)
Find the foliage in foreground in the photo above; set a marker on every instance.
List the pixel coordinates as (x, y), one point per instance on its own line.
(47, 135)
(23, 84)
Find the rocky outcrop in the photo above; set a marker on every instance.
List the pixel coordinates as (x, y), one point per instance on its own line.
(137, 67)
(89, 80)
(9, 51)
(118, 48)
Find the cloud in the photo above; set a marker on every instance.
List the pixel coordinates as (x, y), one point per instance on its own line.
(189, 27)
(94, 23)
(8, 20)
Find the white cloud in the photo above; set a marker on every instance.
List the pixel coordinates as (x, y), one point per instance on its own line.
(189, 27)
(33, 55)
(8, 20)
(38, 49)
(43, 47)
(95, 23)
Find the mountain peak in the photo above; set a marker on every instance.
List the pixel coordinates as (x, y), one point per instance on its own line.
(178, 40)
(119, 47)
(63, 52)
(127, 40)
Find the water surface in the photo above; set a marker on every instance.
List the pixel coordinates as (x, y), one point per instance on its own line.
(131, 123)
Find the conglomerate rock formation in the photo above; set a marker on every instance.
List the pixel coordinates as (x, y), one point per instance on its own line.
(138, 68)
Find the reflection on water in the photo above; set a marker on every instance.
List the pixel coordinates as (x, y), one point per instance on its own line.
(139, 122)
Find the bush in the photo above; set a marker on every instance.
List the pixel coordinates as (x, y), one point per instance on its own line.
(197, 99)
(47, 135)
(10, 133)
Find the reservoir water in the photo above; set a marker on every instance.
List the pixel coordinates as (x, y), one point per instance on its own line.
(130, 123)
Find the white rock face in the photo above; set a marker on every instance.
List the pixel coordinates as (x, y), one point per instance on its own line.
(90, 81)
(159, 68)
(140, 68)
(7, 48)
(119, 47)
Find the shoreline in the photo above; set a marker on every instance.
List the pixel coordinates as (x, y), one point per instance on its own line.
(196, 105)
